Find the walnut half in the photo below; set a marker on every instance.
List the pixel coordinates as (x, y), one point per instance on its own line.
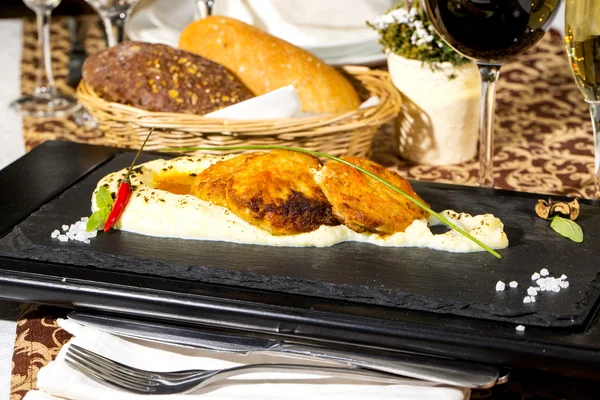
(547, 209)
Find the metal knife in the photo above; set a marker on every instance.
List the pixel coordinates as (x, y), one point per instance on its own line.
(77, 55)
(445, 371)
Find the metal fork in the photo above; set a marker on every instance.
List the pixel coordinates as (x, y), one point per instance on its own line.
(121, 376)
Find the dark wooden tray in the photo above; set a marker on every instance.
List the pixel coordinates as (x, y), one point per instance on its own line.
(357, 294)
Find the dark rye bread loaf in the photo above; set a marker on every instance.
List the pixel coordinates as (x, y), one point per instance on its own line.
(156, 77)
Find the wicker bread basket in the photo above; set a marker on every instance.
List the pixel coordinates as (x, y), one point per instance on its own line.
(341, 134)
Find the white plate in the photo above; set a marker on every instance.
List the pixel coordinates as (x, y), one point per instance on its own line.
(267, 15)
(322, 41)
(367, 60)
(144, 25)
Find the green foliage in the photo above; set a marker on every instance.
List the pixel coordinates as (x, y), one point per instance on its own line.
(410, 34)
(567, 228)
(104, 202)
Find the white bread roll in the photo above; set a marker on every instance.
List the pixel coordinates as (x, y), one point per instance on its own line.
(264, 63)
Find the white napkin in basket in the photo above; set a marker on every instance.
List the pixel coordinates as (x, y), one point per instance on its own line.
(279, 104)
(58, 379)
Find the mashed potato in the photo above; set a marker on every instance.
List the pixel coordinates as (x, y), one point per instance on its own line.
(158, 207)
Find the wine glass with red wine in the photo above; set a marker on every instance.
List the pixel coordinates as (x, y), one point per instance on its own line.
(490, 32)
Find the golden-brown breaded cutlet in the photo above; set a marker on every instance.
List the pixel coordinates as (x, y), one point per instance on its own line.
(277, 192)
(211, 184)
(364, 204)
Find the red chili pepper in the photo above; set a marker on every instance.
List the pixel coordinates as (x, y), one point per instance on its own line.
(124, 192)
(120, 202)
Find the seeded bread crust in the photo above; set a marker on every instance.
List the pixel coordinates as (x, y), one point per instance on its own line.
(156, 77)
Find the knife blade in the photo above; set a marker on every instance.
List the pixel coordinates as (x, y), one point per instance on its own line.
(77, 55)
(444, 371)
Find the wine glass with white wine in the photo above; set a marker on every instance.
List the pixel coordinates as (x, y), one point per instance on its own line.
(582, 37)
(46, 100)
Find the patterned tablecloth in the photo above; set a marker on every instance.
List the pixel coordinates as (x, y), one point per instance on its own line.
(543, 144)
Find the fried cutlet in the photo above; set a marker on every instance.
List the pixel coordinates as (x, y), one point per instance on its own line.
(275, 191)
(364, 204)
(211, 184)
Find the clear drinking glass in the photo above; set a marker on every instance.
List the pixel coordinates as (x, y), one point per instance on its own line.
(46, 100)
(582, 37)
(490, 32)
(204, 8)
(114, 15)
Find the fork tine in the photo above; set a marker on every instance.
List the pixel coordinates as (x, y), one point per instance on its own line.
(108, 379)
(104, 369)
(107, 373)
(97, 359)
(132, 371)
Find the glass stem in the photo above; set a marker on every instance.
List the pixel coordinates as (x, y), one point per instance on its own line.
(204, 8)
(114, 25)
(595, 112)
(489, 76)
(45, 80)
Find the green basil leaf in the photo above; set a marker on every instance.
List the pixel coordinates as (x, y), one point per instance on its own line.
(97, 219)
(567, 228)
(103, 198)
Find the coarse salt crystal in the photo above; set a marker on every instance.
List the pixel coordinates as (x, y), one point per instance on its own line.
(544, 272)
(535, 276)
(532, 291)
(500, 286)
(513, 284)
(77, 231)
(551, 284)
(563, 277)
(527, 299)
(520, 328)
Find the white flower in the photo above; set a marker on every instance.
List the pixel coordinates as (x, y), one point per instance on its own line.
(383, 21)
(421, 35)
(397, 16)
(400, 15)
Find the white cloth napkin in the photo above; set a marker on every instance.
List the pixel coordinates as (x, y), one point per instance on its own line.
(59, 380)
(330, 13)
(308, 23)
(280, 103)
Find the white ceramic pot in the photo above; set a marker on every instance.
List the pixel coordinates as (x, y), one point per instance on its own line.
(439, 120)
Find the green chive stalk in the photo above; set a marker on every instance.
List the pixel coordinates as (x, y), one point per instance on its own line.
(418, 203)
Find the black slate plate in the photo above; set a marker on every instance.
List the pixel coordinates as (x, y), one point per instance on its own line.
(416, 279)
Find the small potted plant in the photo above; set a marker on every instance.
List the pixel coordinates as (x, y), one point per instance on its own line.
(439, 119)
